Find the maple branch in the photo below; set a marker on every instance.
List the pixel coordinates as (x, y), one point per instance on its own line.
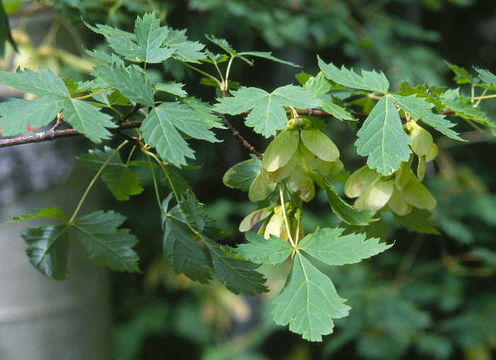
(53, 134)
(56, 134)
(240, 137)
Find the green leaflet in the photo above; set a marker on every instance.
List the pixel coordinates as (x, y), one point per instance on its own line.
(17, 114)
(186, 224)
(171, 87)
(149, 38)
(47, 250)
(40, 83)
(105, 243)
(264, 251)
(54, 96)
(45, 213)
(226, 46)
(462, 76)
(382, 138)
(98, 232)
(267, 55)
(118, 177)
(87, 119)
(319, 86)
(463, 108)
(368, 80)
(337, 111)
(421, 110)
(308, 302)
(184, 50)
(131, 81)
(203, 111)
(236, 274)
(487, 77)
(150, 42)
(184, 252)
(328, 246)
(241, 175)
(161, 130)
(345, 211)
(267, 114)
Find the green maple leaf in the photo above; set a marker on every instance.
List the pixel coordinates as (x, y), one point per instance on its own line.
(131, 81)
(87, 119)
(17, 114)
(150, 42)
(463, 107)
(462, 76)
(161, 130)
(47, 249)
(45, 213)
(184, 49)
(145, 45)
(319, 86)
(171, 87)
(238, 275)
(42, 83)
(367, 80)
(149, 38)
(329, 246)
(183, 250)
(382, 138)
(308, 302)
(264, 251)
(267, 114)
(118, 177)
(105, 243)
(420, 109)
(54, 97)
(487, 77)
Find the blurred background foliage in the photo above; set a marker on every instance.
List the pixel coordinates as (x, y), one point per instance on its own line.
(432, 296)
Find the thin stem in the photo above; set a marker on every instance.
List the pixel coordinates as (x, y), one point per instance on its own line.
(478, 101)
(492, 96)
(218, 71)
(203, 73)
(285, 216)
(92, 94)
(166, 173)
(93, 181)
(228, 71)
(155, 184)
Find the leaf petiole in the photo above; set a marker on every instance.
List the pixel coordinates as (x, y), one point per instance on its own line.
(93, 181)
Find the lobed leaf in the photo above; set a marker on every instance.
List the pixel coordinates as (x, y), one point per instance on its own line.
(308, 302)
(267, 114)
(329, 246)
(47, 249)
(367, 80)
(264, 251)
(161, 130)
(236, 274)
(382, 138)
(421, 110)
(118, 177)
(184, 252)
(105, 243)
